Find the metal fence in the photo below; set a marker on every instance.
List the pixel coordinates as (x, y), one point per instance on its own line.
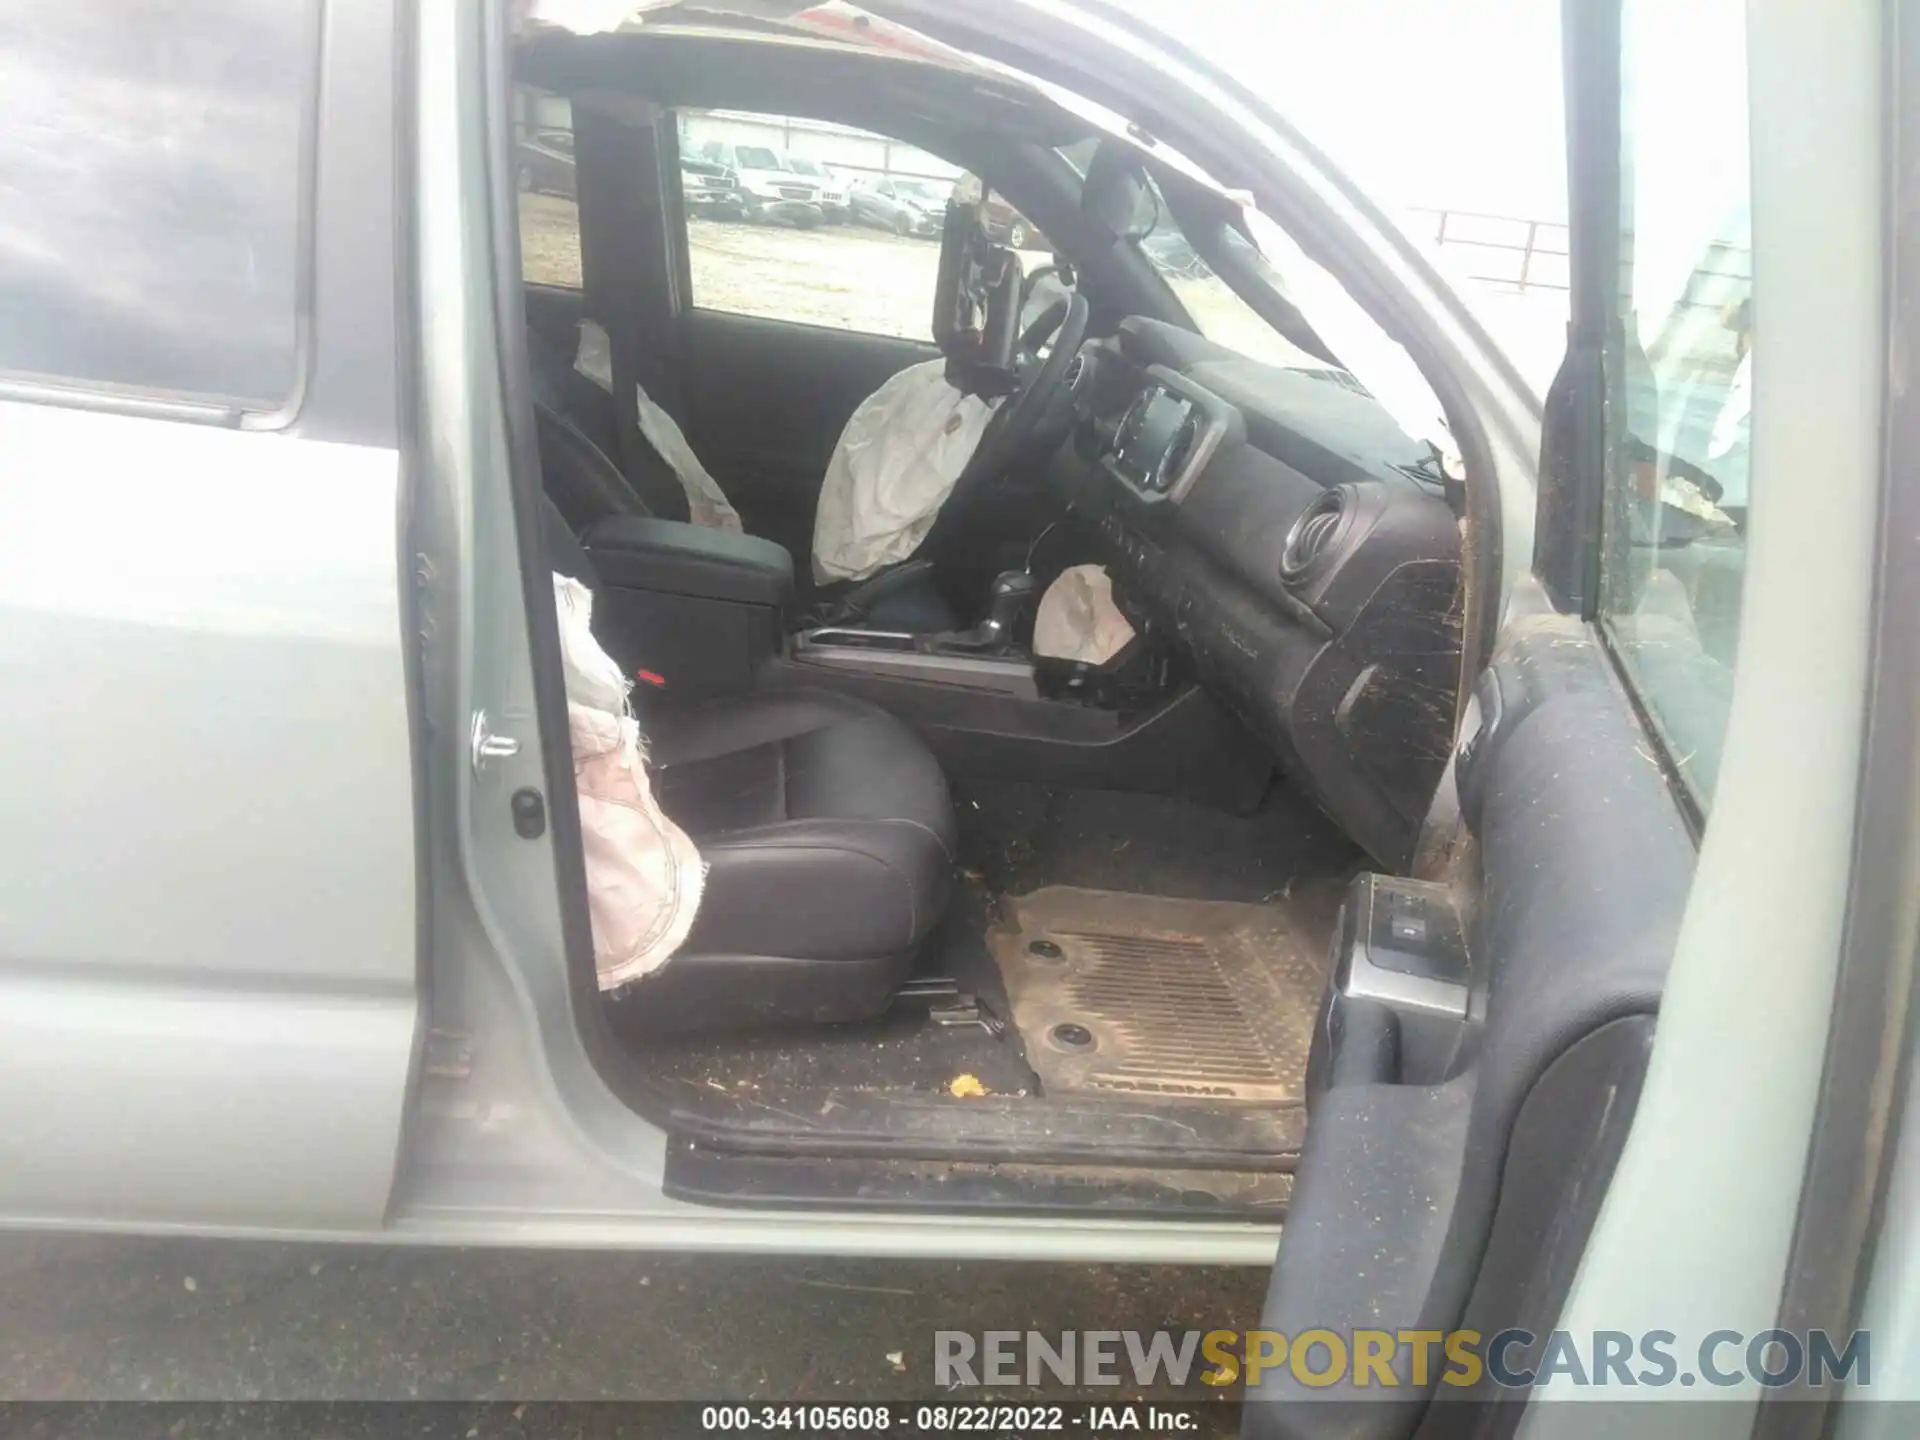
(1502, 251)
(1517, 255)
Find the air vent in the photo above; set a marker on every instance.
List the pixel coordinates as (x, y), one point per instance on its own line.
(1128, 430)
(1313, 534)
(1178, 454)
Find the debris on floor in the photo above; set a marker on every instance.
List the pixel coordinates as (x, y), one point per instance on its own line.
(966, 1087)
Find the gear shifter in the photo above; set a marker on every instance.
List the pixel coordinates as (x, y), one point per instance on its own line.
(1006, 603)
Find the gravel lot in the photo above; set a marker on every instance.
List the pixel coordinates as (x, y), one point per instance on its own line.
(549, 240)
(844, 276)
(108, 1319)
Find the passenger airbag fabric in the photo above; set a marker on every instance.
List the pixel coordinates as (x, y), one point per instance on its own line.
(1078, 620)
(644, 876)
(707, 504)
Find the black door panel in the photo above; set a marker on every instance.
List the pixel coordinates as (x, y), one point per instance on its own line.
(1585, 861)
(1566, 1140)
(766, 401)
(1468, 1205)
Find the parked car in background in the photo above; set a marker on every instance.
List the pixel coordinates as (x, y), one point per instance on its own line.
(710, 190)
(906, 207)
(833, 190)
(768, 189)
(1007, 226)
(544, 163)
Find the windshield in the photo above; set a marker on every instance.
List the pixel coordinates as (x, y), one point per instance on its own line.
(1219, 312)
(758, 157)
(1367, 355)
(1373, 357)
(919, 190)
(1369, 359)
(801, 166)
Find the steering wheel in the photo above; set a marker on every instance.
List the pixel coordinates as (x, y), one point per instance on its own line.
(1021, 413)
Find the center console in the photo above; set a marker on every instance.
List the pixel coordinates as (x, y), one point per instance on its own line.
(990, 710)
(692, 610)
(930, 658)
(698, 613)
(983, 658)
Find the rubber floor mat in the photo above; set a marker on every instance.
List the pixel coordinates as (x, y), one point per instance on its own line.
(1134, 995)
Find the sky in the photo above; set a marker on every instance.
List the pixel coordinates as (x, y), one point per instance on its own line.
(1439, 104)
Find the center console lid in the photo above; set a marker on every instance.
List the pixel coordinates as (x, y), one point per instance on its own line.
(693, 610)
(671, 557)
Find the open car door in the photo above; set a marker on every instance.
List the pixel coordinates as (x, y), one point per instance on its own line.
(1473, 1106)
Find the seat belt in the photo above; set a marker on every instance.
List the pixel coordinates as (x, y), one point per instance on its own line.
(628, 276)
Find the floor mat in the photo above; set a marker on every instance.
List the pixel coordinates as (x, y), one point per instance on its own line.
(1136, 995)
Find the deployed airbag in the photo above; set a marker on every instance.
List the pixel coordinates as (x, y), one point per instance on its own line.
(1078, 620)
(644, 875)
(707, 504)
(897, 462)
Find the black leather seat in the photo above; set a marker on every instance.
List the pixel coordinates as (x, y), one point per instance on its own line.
(829, 841)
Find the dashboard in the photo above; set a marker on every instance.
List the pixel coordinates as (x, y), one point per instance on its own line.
(1280, 531)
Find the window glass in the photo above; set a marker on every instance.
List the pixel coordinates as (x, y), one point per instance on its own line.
(1007, 226)
(151, 185)
(1674, 543)
(791, 219)
(1224, 317)
(549, 199)
(1216, 308)
(1370, 361)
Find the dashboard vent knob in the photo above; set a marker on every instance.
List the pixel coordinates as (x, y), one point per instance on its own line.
(1313, 534)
